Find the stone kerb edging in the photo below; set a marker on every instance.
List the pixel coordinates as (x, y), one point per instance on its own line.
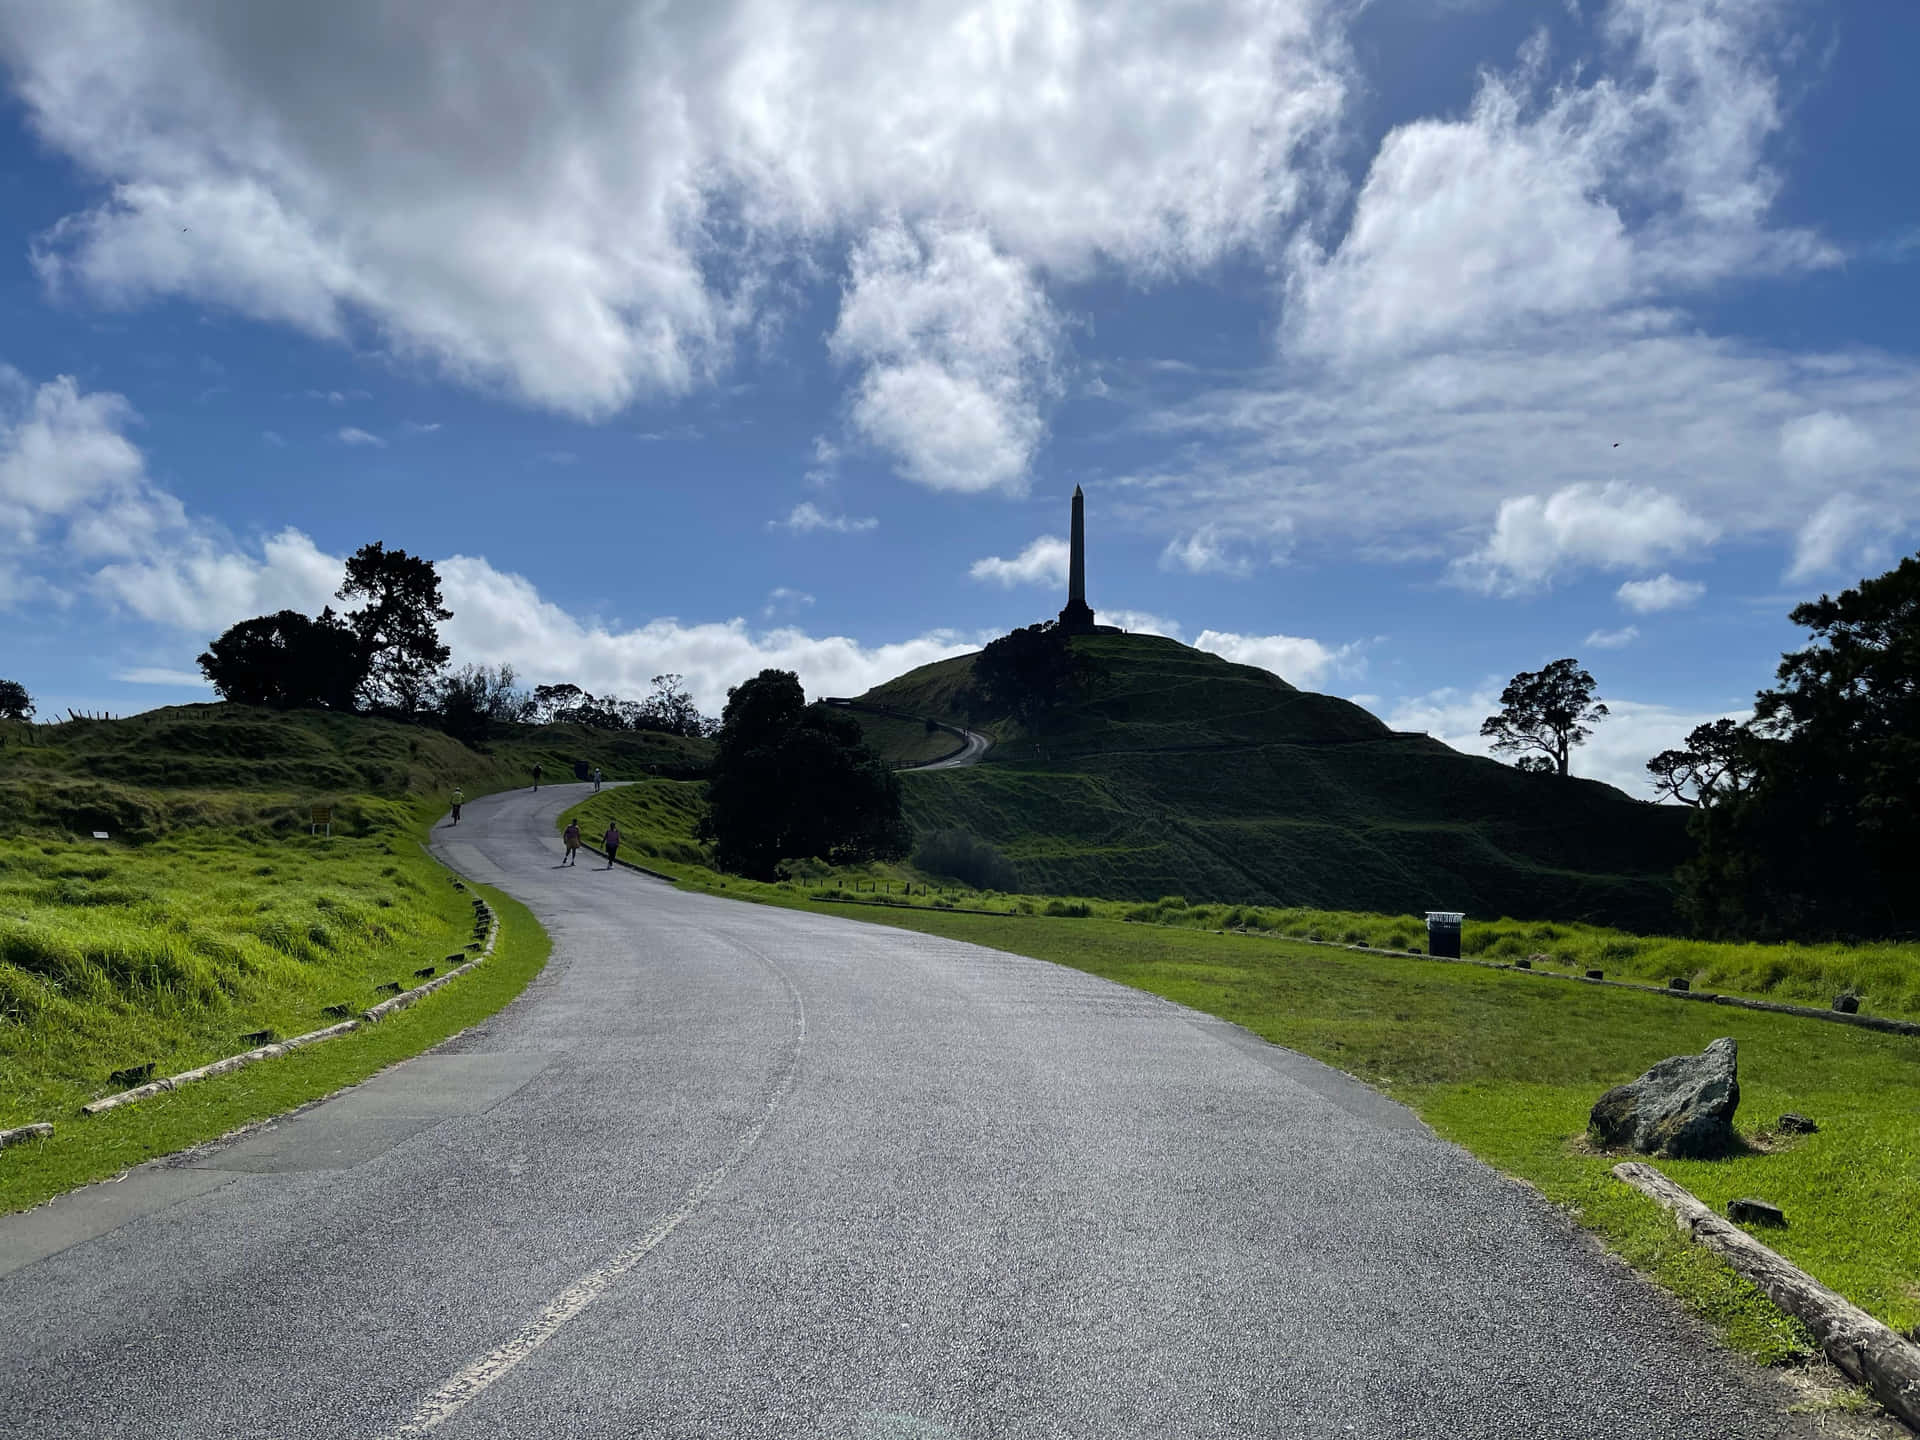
(371, 1016)
(1867, 1351)
(20, 1134)
(630, 864)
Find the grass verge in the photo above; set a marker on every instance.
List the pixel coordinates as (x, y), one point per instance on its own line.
(84, 1149)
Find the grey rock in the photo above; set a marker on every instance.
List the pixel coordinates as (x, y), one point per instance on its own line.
(1796, 1124)
(1754, 1212)
(1682, 1108)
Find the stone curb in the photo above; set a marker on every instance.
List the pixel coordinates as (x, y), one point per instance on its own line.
(231, 1063)
(20, 1134)
(629, 864)
(1866, 1350)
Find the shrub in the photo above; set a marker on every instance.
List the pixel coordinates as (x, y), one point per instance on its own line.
(958, 855)
(1071, 909)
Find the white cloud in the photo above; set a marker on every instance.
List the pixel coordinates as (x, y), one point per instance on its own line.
(160, 675)
(519, 235)
(354, 435)
(1662, 592)
(1825, 446)
(956, 342)
(1209, 550)
(1846, 534)
(1610, 527)
(1568, 189)
(784, 600)
(274, 438)
(1614, 639)
(1141, 622)
(416, 427)
(1632, 734)
(1044, 562)
(807, 516)
(1294, 658)
(197, 583)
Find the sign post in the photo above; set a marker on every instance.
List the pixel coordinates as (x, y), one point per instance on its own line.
(322, 815)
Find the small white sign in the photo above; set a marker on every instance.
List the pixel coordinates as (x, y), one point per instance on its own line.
(99, 834)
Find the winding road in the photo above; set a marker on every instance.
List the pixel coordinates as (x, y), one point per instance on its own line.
(733, 1171)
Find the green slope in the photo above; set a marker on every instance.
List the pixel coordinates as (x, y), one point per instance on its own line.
(1184, 773)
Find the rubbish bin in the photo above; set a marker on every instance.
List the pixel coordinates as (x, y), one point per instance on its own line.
(1443, 933)
(581, 770)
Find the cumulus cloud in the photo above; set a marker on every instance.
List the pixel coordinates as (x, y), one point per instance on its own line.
(1846, 534)
(160, 675)
(1294, 658)
(807, 517)
(784, 600)
(1141, 622)
(956, 344)
(1566, 190)
(1044, 562)
(1208, 550)
(1662, 592)
(1610, 527)
(1824, 445)
(583, 203)
(354, 435)
(1614, 639)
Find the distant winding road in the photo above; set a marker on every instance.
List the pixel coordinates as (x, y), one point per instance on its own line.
(735, 1171)
(972, 753)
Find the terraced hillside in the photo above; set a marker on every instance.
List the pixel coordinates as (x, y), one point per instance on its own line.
(1183, 773)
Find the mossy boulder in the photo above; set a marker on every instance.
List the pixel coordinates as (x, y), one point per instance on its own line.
(1681, 1109)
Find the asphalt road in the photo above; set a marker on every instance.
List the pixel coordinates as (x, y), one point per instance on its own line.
(974, 752)
(732, 1171)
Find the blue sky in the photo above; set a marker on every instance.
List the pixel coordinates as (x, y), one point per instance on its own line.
(1398, 347)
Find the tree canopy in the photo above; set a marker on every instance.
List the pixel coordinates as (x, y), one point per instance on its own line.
(286, 659)
(1544, 714)
(792, 781)
(1026, 675)
(397, 624)
(15, 702)
(1822, 837)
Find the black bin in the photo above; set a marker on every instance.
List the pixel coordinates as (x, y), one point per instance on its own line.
(1443, 933)
(582, 770)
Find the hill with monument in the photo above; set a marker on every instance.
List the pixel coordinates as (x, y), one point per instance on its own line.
(1178, 772)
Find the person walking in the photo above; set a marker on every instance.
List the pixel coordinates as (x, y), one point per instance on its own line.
(596, 779)
(459, 798)
(572, 840)
(536, 778)
(610, 842)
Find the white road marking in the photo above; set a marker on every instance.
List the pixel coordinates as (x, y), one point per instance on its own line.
(469, 1382)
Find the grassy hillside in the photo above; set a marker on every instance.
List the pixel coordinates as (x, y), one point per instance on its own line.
(902, 742)
(211, 912)
(1184, 773)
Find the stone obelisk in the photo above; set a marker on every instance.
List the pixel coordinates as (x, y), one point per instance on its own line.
(1077, 618)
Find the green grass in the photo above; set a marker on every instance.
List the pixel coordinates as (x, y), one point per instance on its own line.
(211, 911)
(91, 1148)
(1502, 1063)
(1182, 772)
(902, 742)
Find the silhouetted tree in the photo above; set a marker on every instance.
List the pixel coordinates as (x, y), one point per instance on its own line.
(286, 659)
(15, 702)
(397, 624)
(473, 699)
(1545, 712)
(1824, 839)
(1720, 760)
(1025, 675)
(796, 781)
(670, 710)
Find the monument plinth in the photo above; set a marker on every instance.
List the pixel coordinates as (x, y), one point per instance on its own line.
(1077, 618)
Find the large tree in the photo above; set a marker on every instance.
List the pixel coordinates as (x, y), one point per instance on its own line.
(397, 624)
(1545, 713)
(15, 702)
(1825, 838)
(793, 781)
(1026, 675)
(474, 699)
(1720, 761)
(286, 659)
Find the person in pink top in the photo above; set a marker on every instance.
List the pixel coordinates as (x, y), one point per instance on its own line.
(610, 841)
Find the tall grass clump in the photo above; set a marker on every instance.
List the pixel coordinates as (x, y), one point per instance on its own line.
(959, 855)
